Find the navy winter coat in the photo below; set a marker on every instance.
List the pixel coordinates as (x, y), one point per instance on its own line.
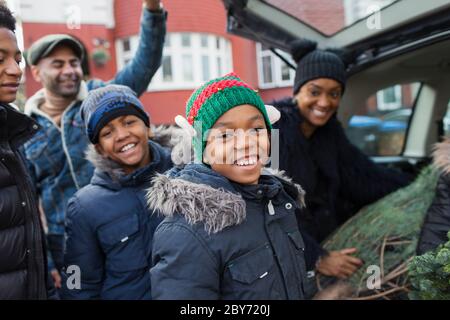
(110, 229)
(223, 240)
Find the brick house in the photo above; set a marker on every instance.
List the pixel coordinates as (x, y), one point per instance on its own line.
(197, 46)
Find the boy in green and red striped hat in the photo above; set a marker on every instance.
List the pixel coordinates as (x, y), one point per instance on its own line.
(230, 230)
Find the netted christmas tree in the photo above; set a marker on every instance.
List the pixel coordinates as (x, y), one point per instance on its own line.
(386, 234)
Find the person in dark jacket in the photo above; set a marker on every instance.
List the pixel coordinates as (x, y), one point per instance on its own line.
(23, 272)
(230, 232)
(437, 220)
(109, 227)
(315, 152)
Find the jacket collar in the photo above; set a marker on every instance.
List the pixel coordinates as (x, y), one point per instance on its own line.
(33, 103)
(203, 195)
(267, 188)
(15, 127)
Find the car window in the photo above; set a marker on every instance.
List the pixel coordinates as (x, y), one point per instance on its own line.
(446, 121)
(379, 127)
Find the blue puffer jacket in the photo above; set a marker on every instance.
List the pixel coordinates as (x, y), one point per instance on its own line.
(110, 230)
(223, 240)
(56, 158)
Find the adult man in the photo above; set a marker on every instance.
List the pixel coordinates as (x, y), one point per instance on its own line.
(56, 153)
(22, 254)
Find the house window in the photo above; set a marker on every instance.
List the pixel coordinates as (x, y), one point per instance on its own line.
(189, 60)
(390, 98)
(272, 71)
(167, 69)
(126, 45)
(188, 74)
(167, 41)
(355, 10)
(186, 39)
(125, 49)
(204, 40)
(205, 68)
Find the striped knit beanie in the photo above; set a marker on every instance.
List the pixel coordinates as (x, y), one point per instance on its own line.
(107, 103)
(212, 100)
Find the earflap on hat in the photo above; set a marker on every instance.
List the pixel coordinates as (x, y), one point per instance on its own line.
(185, 125)
(273, 114)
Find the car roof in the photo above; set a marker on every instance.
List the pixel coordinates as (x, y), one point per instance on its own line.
(401, 22)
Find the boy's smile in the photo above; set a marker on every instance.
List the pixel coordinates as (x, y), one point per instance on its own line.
(238, 144)
(125, 141)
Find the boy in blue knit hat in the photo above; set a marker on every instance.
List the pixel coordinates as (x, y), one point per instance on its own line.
(109, 226)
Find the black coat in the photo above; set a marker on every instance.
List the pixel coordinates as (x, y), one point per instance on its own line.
(337, 177)
(22, 251)
(437, 221)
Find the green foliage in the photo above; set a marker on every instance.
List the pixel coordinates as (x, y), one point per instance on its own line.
(430, 274)
(386, 232)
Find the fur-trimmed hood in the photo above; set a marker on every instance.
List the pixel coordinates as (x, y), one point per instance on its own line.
(166, 136)
(202, 195)
(441, 156)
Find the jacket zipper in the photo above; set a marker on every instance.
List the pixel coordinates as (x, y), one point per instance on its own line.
(36, 241)
(271, 211)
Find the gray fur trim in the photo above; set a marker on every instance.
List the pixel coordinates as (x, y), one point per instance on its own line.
(102, 163)
(281, 174)
(215, 208)
(441, 156)
(166, 136)
(176, 139)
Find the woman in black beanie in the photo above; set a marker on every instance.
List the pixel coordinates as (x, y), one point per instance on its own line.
(314, 150)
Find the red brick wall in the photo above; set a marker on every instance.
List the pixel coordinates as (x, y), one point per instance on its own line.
(269, 95)
(193, 16)
(189, 16)
(326, 16)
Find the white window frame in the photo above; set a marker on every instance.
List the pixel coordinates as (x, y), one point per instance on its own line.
(123, 56)
(276, 66)
(354, 10)
(176, 52)
(382, 106)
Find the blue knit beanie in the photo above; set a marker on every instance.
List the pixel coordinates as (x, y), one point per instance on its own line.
(107, 103)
